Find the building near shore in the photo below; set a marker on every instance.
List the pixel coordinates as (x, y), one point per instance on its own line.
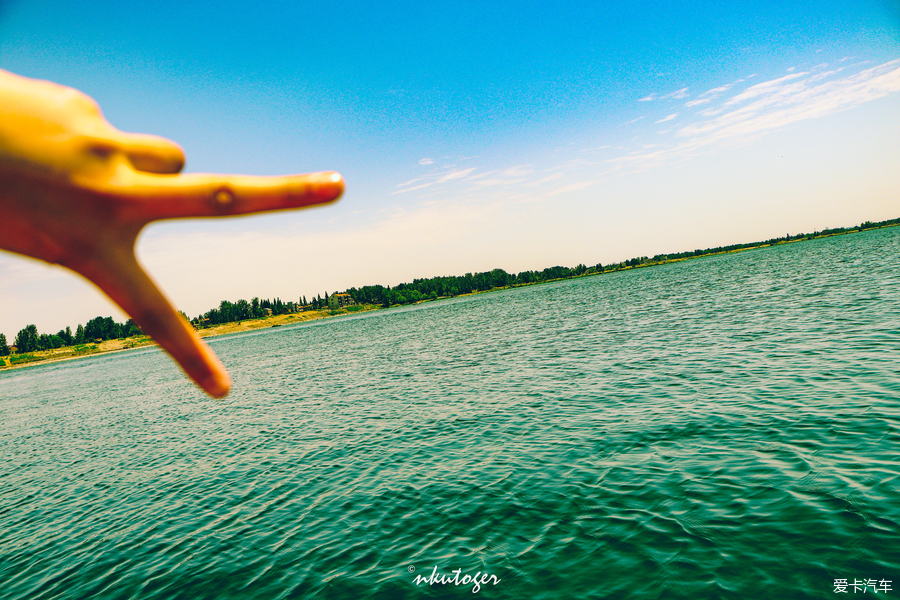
(336, 301)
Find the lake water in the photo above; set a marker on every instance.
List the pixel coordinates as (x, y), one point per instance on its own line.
(727, 427)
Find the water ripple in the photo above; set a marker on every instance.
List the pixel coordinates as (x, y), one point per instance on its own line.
(719, 428)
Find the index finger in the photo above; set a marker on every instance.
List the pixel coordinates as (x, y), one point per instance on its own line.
(205, 195)
(120, 276)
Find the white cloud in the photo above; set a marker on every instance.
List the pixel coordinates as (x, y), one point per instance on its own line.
(772, 105)
(554, 177)
(416, 187)
(426, 161)
(677, 94)
(669, 118)
(456, 175)
(824, 75)
(497, 181)
(786, 100)
(709, 112)
(647, 98)
(698, 101)
(517, 171)
(764, 88)
(719, 90)
(572, 187)
(434, 179)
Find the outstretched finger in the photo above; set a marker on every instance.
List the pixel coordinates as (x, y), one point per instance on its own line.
(203, 195)
(126, 283)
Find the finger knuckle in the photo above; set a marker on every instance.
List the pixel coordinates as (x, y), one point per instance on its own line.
(223, 199)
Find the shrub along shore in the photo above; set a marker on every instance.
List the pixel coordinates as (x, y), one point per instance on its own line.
(103, 334)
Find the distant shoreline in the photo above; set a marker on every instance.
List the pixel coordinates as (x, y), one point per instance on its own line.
(43, 357)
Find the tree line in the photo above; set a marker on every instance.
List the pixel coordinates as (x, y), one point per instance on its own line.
(242, 310)
(105, 328)
(231, 312)
(438, 287)
(97, 329)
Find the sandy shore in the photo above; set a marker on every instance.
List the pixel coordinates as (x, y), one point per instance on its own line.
(69, 353)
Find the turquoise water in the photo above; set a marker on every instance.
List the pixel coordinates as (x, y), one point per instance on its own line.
(727, 427)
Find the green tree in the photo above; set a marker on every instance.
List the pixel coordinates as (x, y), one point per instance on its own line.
(243, 309)
(131, 328)
(226, 312)
(499, 278)
(27, 339)
(102, 328)
(79, 334)
(65, 335)
(4, 348)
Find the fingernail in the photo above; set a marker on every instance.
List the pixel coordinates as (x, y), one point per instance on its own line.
(329, 177)
(331, 184)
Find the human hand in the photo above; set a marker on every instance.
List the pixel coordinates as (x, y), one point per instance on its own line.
(76, 191)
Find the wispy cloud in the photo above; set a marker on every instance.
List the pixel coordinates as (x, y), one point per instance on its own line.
(772, 105)
(449, 176)
(825, 74)
(554, 177)
(767, 88)
(517, 171)
(572, 187)
(676, 95)
(435, 178)
(426, 161)
(647, 98)
(456, 175)
(719, 90)
(728, 113)
(710, 95)
(415, 187)
(792, 98)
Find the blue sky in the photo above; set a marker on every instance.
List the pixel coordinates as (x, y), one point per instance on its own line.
(474, 136)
